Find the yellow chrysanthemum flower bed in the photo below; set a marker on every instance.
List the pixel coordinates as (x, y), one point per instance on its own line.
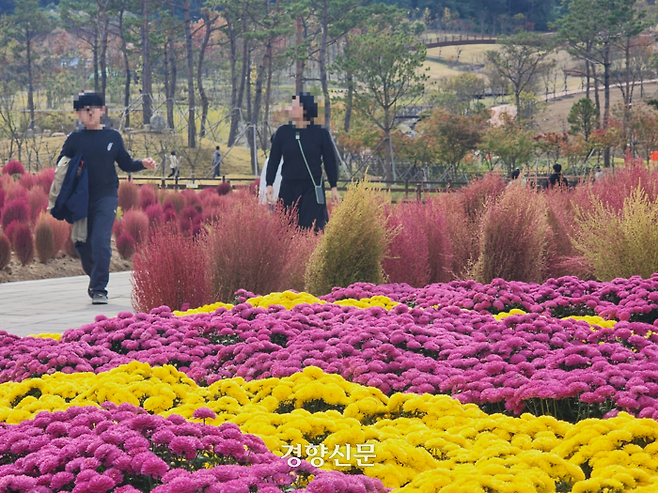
(289, 299)
(48, 335)
(590, 319)
(422, 443)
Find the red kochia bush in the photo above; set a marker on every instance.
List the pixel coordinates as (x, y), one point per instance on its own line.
(513, 238)
(171, 270)
(13, 167)
(27, 181)
(126, 245)
(147, 196)
(254, 249)
(136, 224)
(44, 241)
(128, 195)
(3, 195)
(190, 197)
(155, 215)
(38, 200)
(16, 210)
(407, 258)
(44, 178)
(5, 251)
(224, 188)
(23, 244)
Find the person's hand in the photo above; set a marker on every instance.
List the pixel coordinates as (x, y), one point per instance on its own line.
(269, 194)
(334, 195)
(148, 163)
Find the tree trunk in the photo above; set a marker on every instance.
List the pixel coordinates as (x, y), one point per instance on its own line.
(233, 55)
(191, 125)
(299, 75)
(124, 50)
(258, 90)
(30, 81)
(171, 96)
(627, 95)
(266, 130)
(235, 120)
(597, 99)
(587, 78)
(95, 49)
(199, 76)
(349, 98)
(323, 65)
(103, 21)
(146, 65)
(606, 99)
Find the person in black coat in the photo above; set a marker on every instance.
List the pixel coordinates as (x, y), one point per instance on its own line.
(557, 179)
(305, 147)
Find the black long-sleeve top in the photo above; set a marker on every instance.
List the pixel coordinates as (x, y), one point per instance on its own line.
(100, 149)
(318, 149)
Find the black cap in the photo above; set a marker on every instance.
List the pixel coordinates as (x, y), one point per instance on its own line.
(88, 98)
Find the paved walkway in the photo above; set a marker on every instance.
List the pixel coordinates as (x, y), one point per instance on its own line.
(55, 305)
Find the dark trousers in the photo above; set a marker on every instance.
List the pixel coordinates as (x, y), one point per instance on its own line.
(96, 252)
(301, 193)
(215, 171)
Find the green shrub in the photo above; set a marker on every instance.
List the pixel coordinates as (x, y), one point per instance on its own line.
(353, 245)
(513, 238)
(620, 243)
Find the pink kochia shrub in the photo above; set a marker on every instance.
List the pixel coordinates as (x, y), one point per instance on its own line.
(44, 240)
(13, 167)
(136, 224)
(125, 245)
(23, 244)
(513, 239)
(147, 196)
(407, 258)
(16, 210)
(5, 251)
(255, 249)
(171, 270)
(155, 215)
(38, 200)
(128, 195)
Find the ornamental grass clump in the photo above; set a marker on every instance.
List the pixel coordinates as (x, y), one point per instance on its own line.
(513, 238)
(354, 243)
(253, 248)
(171, 270)
(147, 195)
(620, 243)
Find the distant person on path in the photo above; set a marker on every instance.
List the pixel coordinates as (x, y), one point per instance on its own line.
(100, 148)
(174, 164)
(216, 158)
(556, 179)
(305, 147)
(598, 173)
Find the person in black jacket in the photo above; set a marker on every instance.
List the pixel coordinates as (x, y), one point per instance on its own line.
(305, 147)
(100, 148)
(557, 179)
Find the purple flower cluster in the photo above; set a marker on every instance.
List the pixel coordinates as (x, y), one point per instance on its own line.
(512, 365)
(634, 299)
(126, 450)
